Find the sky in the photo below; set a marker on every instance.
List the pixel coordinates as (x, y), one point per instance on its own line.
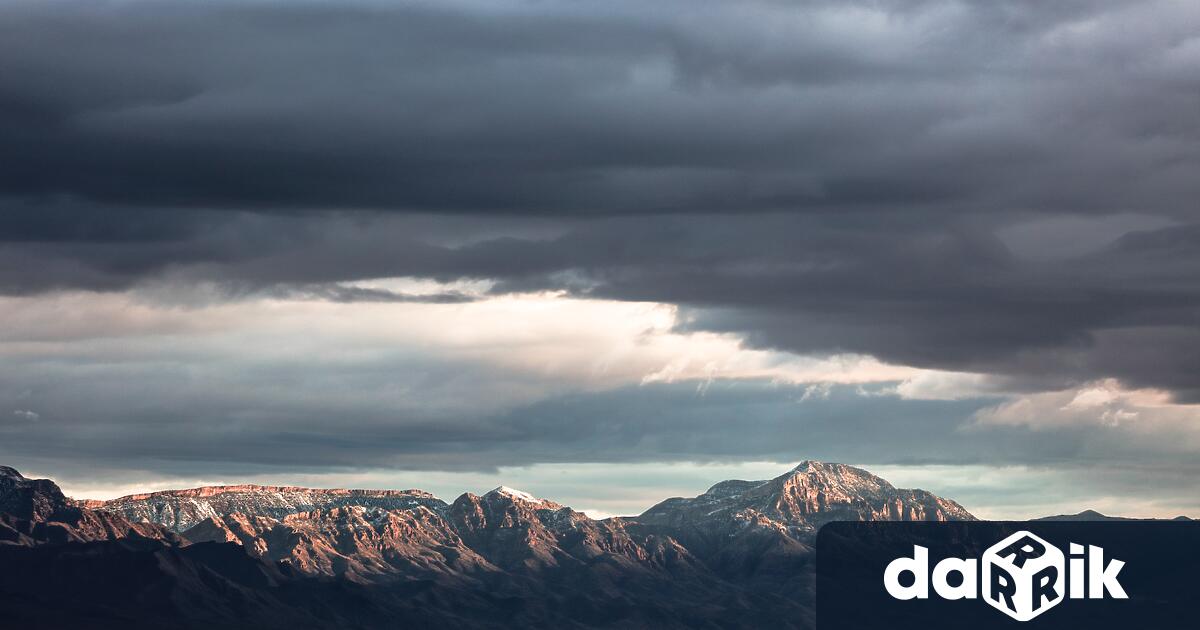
(606, 252)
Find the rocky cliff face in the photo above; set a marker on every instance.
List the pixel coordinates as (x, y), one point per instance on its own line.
(362, 544)
(517, 530)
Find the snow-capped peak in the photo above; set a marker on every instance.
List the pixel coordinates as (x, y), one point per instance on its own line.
(513, 493)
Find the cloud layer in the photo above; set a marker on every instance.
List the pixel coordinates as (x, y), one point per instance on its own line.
(556, 107)
(999, 187)
(981, 213)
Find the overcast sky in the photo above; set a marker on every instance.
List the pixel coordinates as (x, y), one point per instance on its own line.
(607, 251)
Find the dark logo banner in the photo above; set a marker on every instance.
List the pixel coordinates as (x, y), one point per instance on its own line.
(1015, 575)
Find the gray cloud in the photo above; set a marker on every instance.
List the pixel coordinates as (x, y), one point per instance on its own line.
(586, 108)
(841, 176)
(949, 296)
(344, 424)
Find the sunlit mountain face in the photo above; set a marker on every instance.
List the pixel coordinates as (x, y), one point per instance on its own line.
(739, 555)
(607, 253)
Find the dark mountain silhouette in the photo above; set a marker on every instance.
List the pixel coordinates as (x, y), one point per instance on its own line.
(35, 511)
(1093, 515)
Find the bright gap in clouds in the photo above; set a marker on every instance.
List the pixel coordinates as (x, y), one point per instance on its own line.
(560, 340)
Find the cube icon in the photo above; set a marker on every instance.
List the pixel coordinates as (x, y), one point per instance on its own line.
(1023, 576)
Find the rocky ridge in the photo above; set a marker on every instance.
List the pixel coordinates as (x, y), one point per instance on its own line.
(765, 527)
(182, 509)
(737, 556)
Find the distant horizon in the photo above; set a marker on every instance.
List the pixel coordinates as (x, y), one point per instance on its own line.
(447, 491)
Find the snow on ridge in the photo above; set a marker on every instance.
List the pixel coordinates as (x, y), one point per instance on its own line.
(513, 493)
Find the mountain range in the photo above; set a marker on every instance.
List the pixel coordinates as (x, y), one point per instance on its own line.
(738, 555)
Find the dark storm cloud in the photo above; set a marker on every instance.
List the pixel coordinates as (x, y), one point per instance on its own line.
(949, 297)
(601, 107)
(820, 177)
(941, 296)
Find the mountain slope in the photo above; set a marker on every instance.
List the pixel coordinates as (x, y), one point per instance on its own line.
(35, 511)
(803, 499)
(737, 556)
(763, 531)
(362, 544)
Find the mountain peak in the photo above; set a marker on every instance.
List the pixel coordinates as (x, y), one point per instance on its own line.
(831, 468)
(49, 516)
(848, 479)
(521, 497)
(33, 499)
(513, 493)
(808, 495)
(6, 471)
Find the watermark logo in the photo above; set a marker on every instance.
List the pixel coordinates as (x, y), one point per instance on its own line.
(1022, 576)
